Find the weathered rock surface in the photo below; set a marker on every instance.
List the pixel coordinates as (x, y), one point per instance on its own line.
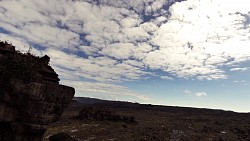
(30, 96)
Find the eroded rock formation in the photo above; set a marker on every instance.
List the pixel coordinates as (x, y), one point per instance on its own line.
(30, 95)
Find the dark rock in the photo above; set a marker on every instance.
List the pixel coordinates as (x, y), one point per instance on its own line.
(34, 102)
(61, 137)
(6, 47)
(11, 131)
(47, 72)
(103, 113)
(132, 119)
(28, 100)
(26, 66)
(125, 118)
(124, 126)
(116, 118)
(45, 59)
(86, 113)
(239, 131)
(96, 113)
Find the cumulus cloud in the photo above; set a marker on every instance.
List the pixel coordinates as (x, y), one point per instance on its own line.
(197, 43)
(190, 43)
(126, 40)
(102, 69)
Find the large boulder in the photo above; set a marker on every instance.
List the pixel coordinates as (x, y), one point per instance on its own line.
(30, 95)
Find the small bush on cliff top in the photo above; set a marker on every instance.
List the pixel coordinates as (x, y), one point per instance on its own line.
(18, 65)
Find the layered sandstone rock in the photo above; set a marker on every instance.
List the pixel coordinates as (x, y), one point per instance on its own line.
(30, 95)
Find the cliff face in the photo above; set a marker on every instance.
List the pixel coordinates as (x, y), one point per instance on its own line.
(30, 95)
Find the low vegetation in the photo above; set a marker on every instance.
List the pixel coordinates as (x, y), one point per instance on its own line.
(154, 123)
(18, 65)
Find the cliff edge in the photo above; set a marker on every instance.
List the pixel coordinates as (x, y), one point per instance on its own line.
(30, 95)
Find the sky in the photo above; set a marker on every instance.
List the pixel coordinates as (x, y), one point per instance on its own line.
(192, 53)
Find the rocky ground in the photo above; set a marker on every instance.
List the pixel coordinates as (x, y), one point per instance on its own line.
(152, 123)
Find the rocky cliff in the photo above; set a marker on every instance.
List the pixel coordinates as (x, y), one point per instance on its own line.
(30, 95)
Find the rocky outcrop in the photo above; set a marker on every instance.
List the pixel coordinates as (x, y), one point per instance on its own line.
(6, 48)
(103, 113)
(30, 95)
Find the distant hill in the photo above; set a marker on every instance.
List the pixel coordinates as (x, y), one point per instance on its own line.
(87, 100)
(124, 104)
(95, 101)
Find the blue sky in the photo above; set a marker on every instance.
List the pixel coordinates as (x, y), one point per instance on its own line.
(184, 53)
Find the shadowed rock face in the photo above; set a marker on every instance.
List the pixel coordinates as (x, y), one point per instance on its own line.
(61, 137)
(30, 95)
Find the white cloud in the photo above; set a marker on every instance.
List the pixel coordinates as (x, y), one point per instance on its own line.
(105, 90)
(109, 41)
(116, 29)
(239, 69)
(119, 50)
(187, 92)
(101, 69)
(130, 22)
(21, 44)
(167, 78)
(198, 94)
(135, 34)
(198, 43)
(242, 81)
(87, 49)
